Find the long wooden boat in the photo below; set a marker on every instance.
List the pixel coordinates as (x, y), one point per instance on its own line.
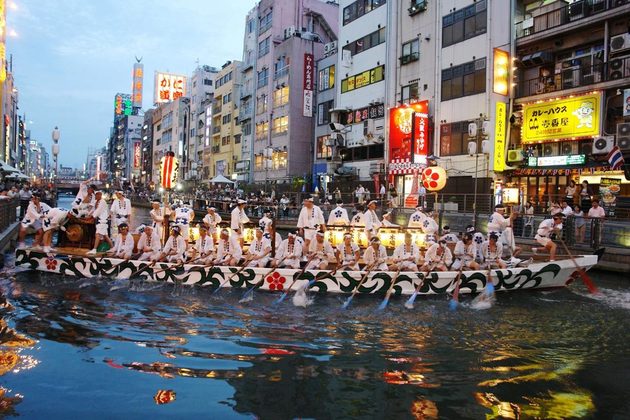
(538, 275)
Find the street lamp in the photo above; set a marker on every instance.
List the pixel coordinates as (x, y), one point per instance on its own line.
(56, 134)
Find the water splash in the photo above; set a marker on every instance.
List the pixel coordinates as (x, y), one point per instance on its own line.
(610, 297)
(301, 299)
(483, 301)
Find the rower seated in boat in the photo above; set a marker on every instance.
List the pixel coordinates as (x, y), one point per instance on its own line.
(375, 255)
(348, 253)
(320, 252)
(492, 251)
(149, 245)
(204, 247)
(465, 254)
(259, 250)
(123, 246)
(438, 257)
(289, 253)
(229, 251)
(175, 247)
(406, 255)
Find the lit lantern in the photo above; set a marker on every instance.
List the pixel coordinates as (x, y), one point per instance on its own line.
(434, 178)
(169, 169)
(510, 195)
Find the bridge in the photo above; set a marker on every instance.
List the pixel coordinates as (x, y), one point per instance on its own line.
(68, 185)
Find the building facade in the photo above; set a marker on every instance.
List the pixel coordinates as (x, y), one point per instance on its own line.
(170, 133)
(201, 93)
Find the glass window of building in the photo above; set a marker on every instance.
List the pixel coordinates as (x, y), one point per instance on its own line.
(410, 51)
(281, 96)
(280, 125)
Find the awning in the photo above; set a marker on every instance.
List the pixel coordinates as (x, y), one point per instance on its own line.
(6, 168)
(404, 167)
(220, 179)
(17, 175)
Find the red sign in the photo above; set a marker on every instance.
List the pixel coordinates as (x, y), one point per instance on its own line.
(309, 71)
(169, 167)
(409, 131)
(137, 155)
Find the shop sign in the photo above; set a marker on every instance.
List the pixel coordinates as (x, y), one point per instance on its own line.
(557, 160)
(609, 188)
(409, 133)
(499, 137)
(362, 114)
(309, 75)
(575, 117)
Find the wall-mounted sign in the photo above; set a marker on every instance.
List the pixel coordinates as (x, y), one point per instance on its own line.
(366, 78)
(309, 76)
(575, 117)
(557, 160)
(137, 154)
(122, 104)
(138, 77)
(362, 114)
(168, 87)
(409, 133)
(499, 137)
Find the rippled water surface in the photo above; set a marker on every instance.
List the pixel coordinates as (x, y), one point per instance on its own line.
(104, 349)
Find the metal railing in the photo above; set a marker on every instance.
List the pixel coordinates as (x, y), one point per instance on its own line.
(281, 73)
(8, 212)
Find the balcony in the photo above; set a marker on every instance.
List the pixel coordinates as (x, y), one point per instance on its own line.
(246, 91)
(284, 71)
(575, 77)
(216, 149)
(216, 110)
(216, 129)
(555, 16)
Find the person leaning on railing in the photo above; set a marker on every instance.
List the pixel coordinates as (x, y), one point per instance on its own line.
(580, 224)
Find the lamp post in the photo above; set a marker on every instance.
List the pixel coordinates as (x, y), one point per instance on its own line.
(56, 134)
(476, 130)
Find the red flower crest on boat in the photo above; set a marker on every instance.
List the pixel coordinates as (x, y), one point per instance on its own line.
(51, 263)
(276, 281)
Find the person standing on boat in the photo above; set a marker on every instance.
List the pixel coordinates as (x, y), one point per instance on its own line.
(204, 246)
(54, 219)
(84, 201)
(447, 236)
(157, 215)
(310, 220)
(339, 216)
(175, 247)
(229, 251)
(259, 251)
(320, 251)
(100, 213)
(265, 221)
(376, 255)
(492, 251)
(123, 247)
(211, 220)
(32, 221)
(290, 253)
(438, 256)
(543, 236)
(358, 220)
(183, 216)
(149, 245)
(418, 218)
(372, 223)
(406, 255)
(348, 253)
(238, 218)
(120, 211)
(465, 253)
(502, 226)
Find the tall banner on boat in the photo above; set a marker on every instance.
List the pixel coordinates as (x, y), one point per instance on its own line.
(169, 168)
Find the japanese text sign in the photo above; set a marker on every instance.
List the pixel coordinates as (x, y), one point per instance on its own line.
(408, 130)
(169, 87)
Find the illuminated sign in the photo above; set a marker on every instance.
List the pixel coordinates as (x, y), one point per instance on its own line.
(499, 137)
(362, 114)
(3, 29)
(408, 131)
(557, 160)
(138, 77)
(122, 104)
(168, 87)
(562, 118)
(501, 73)
(309, 75)
(137, 155)
(366, 78)
(510, 195)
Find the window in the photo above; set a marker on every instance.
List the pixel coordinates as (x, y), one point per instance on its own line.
(259, 162)
(464, 23)
(261, 104)
(227, 98)
(281, 67)
(409, 93)
(359, 8)
(326, 78)
(265, 23)
(237, 139)
(366, 42)
(225, 140)
(251, 24)
(323, 151)
(247, 128)
(263, 47)
(410, 51)
(261, 130)
(323, 112)
(263, 77)
(454, 138)
(279, 159)
(227, 118)
(280, 125)
(366, 78)
(464, 80)
(281, 96)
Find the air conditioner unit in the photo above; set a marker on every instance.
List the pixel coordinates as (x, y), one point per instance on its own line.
(541, 57)
(330, 48)
(515, 155)
(569, 148)
(619, 68)
(602, 145)
(289, 32)
(620, 43)
(623, 136)
(550, 149)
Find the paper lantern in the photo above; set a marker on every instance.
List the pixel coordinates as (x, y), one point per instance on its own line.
(169, 169)
(434, 178)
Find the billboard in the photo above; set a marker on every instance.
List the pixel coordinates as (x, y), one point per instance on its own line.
(499, 137)
(122, 104)
(309, 84)
(137, 155)
(138, 78)
(409, 133)
(168, 87)
(567, 118)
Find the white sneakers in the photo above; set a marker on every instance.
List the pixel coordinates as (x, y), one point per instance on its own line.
(92, 251)
(46, 249)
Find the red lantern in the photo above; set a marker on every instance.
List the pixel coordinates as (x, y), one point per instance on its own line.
(434, 178)
(169, 168)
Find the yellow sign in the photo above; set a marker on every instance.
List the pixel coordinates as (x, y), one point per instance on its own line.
(562, 119)
(501, 74)
(499, 137)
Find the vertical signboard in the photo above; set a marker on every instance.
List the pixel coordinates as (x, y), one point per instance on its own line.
(137, 154)
(309, 75)
(408, 133)
(609, 189)
(499, 137)
(138, 78)
(168, 87)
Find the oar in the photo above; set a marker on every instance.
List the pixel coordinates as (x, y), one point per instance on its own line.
(452, 304)
(226, 281)
(585, 278)
(250, 292)
(286, 292)
(176, 266)
(355, 291)
(489, 290)
(385, 301)
(332, 273)
(409, 303)
(135, 273)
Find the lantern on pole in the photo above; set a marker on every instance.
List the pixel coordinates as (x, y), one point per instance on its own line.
(434, 178)
(169, 168)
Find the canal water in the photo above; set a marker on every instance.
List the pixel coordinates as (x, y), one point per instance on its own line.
(104, 349)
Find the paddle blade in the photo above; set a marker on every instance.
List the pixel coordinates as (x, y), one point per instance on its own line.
(248, 296)
(281, 298)
(588, 282)
(409, 303)
(452, 304)
(383, 304)
(347, 303)
(489, 288)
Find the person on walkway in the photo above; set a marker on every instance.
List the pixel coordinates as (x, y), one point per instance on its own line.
(348, 253)
(580, 224)
(310, 220)
(284, 205)
(123, 247)
(289, 254)
(597, 214)
(529, 219)
(238, 218)
(320, 252)
(175, 247)
(543, 236)
(375, 255)
(372, 222)
(259, 251)
(32, 221)
(570, 192)
(100, 213)
(24, 195)
(149, 245)
(586, 194)
(338, 216)
(406, 255)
